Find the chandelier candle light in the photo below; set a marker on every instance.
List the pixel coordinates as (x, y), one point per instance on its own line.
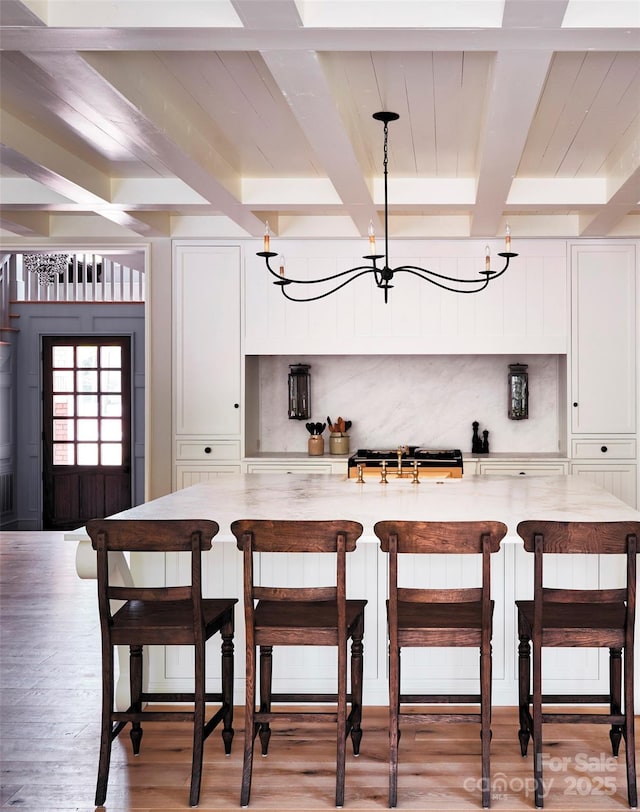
(383, 276)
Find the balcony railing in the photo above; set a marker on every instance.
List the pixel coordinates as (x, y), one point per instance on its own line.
(86, 278)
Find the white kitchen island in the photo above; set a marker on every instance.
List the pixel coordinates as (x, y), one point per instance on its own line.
(288, 496)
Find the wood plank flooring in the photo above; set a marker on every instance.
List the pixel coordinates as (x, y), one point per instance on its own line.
(49, 728)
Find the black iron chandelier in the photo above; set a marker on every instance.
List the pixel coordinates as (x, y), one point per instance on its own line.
(384, 275)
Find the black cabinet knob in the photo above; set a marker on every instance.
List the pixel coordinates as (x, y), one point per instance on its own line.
(236, 405)
(575, 404)
(604, 449)
(207, 449)
(522, 473)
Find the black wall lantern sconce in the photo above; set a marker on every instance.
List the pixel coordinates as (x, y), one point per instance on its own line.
(299, 392)
(518, 392)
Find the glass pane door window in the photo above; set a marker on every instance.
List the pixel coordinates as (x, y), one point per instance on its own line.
(86, 410)
(87, 404)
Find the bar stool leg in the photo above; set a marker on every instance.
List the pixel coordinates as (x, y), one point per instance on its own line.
(615, 696)
(537, 725)
(266, 671)
(357, 662)
(227, 686)
(341, 726)
(485, 725)
(198, 725)
(524, 692)
(629, 728)
(106, 734)
(250, 727)
(394, 710)
(135, 684)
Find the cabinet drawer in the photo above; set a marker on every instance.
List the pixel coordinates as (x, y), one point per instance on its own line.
(526, 469)
(204, 450)
(603, 449)
(289, 468)
(187, 475)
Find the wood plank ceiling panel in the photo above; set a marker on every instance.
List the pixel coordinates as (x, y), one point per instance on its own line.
(593, 68)
(613, 110)
(247, 112)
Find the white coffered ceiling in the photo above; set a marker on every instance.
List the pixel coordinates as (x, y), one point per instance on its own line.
(208, 117)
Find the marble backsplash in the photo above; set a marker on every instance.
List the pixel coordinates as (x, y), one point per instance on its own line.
(426, 400)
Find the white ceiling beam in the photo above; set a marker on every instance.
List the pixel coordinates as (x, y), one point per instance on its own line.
(32, 154)
(149, 224)
(516, 85)
(540, 14)
(622, 194)
(303, 84)
(114, 91)
(22, 191)
(13, 13)
(624, 200)
(274, 14)
(320, 39)
(25, 223)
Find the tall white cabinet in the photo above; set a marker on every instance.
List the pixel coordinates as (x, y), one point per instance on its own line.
(603, 410)
(207, 407)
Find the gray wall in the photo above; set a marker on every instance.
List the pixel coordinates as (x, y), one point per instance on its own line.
(35, 321)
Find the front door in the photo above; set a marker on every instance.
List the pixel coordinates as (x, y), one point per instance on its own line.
(86, 428)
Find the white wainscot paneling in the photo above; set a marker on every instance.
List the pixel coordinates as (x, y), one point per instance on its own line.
(221, 577)
(566, 670)
(452, 670)
(293, 665)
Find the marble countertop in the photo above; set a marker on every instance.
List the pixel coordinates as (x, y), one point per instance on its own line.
(324, 496)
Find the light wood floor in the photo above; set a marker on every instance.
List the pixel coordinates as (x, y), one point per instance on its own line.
(50, 701)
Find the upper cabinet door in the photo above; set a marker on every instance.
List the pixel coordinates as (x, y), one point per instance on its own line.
(604, 339)
(206, 291)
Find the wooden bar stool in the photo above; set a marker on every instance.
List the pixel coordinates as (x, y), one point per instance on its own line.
(164, 616)
(590, 618)
(300, 616)
(421, 617)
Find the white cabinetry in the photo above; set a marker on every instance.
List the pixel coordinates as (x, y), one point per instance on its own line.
(525, 312)
(603, 419)
(206, 356)
(603, 339)
(523, 468)
(296, 465)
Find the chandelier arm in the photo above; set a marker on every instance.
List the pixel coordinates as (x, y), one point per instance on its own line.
(422, 274)
(507, 257)
(288, 279)
(321, 295)
(430, 276)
